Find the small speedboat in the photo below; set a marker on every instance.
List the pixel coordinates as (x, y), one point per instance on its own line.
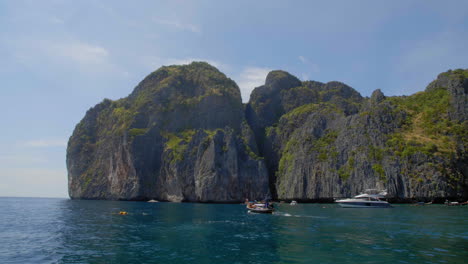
(455, 203)
(260, 208)
(368, 199)
(293, 202)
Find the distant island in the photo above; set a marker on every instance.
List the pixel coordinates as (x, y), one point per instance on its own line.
(184, 134)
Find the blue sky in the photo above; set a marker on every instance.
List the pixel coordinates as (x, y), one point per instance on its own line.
(59, 58)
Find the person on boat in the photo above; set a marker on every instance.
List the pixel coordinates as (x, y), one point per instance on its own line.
(249, 203)
(268, 204)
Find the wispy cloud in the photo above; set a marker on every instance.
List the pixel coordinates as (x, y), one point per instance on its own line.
(30, 52)
(80, 52)
(178, 25)
(45, 143)
(250, 78)
(310, 67)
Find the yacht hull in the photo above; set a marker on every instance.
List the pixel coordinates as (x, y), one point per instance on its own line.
(365, 204)
(371, 198)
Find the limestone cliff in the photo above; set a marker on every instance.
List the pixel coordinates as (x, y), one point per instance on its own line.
(184, 135)
(325, 140)
(179, 136)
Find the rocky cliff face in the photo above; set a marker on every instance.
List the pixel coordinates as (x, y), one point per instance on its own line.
(180, 136)
(184, 135)
(327, 141)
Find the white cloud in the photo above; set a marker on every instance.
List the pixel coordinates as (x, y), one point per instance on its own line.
(80, 52)
(309, 68)
(45, 143)
(250, 78)
(313, 67)
(31, 52)
(179, 25)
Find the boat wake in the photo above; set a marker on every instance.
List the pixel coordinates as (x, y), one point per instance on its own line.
(295, 215)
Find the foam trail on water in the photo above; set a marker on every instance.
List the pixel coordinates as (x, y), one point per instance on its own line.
(292, 215)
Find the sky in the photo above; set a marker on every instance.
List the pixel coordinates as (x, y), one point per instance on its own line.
(61, 57)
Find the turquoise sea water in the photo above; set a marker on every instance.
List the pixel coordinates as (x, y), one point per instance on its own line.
(35, 230)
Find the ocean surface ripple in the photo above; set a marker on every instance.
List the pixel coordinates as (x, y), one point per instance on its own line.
(42, 230)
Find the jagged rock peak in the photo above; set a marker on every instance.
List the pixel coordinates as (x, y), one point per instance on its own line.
(335, 88)
(281, 79)
(450, 78)
(377, 96)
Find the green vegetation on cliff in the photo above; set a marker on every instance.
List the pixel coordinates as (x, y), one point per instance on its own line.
(183, 134)
(428, 128)
(137, 131)
(458, 73)
(190, 84)
(178, 143)
(310, 108)
(286, 162)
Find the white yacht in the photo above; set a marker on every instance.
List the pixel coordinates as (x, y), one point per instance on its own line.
(369, 199)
